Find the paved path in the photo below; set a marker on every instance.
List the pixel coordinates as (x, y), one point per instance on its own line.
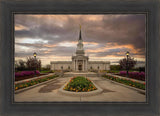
(112, 92)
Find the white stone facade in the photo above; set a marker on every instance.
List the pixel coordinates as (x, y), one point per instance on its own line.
(98, 65)
(86, 65)
(59, 65)
(80, 62)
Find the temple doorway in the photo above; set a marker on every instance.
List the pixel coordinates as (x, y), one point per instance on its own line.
(80, 67)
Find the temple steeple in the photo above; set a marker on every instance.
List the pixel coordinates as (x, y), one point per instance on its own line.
(80, 38)
(80, 50)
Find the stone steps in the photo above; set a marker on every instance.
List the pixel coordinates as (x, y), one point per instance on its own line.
(80, 74)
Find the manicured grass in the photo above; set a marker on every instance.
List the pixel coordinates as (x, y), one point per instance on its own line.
(127, 82)
(118, 71)
(80, 84)
(113, 71)
(46, 71)
(33, 82)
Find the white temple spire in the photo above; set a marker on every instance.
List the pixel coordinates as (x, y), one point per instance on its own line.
(80, 50)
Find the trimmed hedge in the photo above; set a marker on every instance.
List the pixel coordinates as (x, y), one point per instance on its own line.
(33, 82)
(134, 75)
(26, 73)
(126, 82)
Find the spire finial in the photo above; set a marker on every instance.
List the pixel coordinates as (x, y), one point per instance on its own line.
(80, 26)
(80, 38)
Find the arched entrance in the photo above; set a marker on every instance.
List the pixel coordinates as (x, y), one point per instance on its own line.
(80, 67)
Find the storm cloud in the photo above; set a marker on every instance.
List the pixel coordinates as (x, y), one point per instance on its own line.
(104, 36)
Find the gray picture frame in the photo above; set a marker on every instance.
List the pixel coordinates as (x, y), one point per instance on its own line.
(9, 8)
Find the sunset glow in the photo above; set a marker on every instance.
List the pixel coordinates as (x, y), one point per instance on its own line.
(105, 37)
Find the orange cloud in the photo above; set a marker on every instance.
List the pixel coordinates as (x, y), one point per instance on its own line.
(95, 18)
(20, 27)
(47, 51)
(49, 45)
(93, 43)
(114, 46)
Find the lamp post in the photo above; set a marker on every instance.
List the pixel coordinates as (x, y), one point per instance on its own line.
(61, 71)
(127, 54)
(98, 69)
(35, 54)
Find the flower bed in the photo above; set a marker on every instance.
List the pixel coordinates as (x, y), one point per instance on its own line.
(33, 82)
(80, 84)
(134, 75)
(26, 73)
(127, 82)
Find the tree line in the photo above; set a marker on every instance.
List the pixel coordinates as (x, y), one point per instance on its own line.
(123, 65)
(30, 64)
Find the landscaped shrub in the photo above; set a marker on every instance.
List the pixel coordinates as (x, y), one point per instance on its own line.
(33, 82)
(127, 82)
(80, 84)
(37, 72)
(134, 75)
(26, 73)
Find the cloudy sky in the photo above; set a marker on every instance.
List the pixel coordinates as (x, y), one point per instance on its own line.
(54, 37)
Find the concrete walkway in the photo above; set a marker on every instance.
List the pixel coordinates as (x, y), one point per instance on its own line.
(112, 92)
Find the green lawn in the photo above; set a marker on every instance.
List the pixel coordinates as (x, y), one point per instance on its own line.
(46, 71)
(117, 71)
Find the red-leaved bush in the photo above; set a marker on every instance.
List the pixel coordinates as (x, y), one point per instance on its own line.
(26, 73)
(134, 75)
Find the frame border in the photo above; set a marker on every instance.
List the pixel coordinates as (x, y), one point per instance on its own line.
(101, 13)
(95, 6)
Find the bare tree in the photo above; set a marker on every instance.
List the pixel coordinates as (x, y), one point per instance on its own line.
(131, 63)
(20, 65)
(33, 63)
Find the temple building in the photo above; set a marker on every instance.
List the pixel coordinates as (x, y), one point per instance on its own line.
(80, 62)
